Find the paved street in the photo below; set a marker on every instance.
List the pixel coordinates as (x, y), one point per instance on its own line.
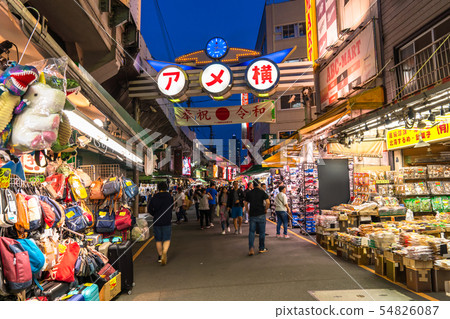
(205, 265)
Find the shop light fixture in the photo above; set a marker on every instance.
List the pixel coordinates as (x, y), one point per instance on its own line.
(87, 128)
(442, 113)
(411, 114)
(98, 122)
(431, 117)
(366, 127)
(378, 134)
(421, 143)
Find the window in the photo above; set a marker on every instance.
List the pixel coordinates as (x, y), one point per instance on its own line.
(415, 54)
(291, 102)
(288, 31)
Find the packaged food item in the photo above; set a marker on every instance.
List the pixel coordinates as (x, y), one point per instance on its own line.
(410, 189)
(425, 205)
(437, 204)
(436, 171)
(421, 188)
(447, 188)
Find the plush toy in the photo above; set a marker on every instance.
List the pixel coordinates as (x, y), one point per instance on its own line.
(36, 128)
(14, 83)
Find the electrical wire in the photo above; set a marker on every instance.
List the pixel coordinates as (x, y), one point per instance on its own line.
(32, 33)
(165, 28)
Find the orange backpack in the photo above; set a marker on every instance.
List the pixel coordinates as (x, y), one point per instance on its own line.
(23, 223)
(96, 192)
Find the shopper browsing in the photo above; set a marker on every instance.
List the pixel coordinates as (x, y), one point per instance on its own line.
(196, 199)
(160, 207)
(259, 202)
(204, 208)
(282, 209)
(212, 202)
(223, 212)
(235, 205)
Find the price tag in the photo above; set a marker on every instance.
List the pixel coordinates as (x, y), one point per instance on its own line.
(113, 283)
(112, 179)
(122, 213)
(5, 177)
(70, 215)
(88, 284)
(129, 183)
(62, 249)
(102, 214)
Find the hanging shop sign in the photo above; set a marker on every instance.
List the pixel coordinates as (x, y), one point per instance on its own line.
(230, 174)
(311, 30)
(30, 166)
(244, 98)
(224, 173)
(326, 24)
(216, 80)
(255, 112)
(402, 138)
(172, 82)
(215, 171)
(186, 166)
(262, 76)
(353, 66)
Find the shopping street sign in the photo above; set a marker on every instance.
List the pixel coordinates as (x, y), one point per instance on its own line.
(403, 138)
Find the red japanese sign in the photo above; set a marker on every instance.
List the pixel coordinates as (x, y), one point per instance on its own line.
(251, 113)
(262, 75)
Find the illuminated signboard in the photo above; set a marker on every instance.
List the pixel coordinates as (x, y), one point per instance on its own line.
(311, 33)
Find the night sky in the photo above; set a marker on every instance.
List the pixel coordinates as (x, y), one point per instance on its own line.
(190, 24)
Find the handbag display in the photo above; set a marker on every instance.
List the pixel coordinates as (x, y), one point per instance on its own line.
(64, 270)
(58, 183)
(75, 219)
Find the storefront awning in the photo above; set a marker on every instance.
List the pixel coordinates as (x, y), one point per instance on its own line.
(256, 169)
(294, 138)
(279, 160)
(364, 149)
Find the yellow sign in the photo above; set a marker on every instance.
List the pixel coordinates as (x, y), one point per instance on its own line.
(311, 30)
(402, 138)
(70, 214)
(5, 177)
(113, 283)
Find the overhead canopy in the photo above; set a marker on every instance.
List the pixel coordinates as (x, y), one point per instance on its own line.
(293, 139)
(325, 119)
(364, 149)
(256, 169)
(280, 160)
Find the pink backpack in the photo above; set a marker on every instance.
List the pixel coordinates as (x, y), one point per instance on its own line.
(15, 264)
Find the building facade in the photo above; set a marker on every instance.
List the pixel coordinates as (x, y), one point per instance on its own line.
(283, 26)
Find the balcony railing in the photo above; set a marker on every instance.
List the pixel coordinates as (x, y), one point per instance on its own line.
(436, 69)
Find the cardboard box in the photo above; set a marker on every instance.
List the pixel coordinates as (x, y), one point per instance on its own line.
(418, 280)
(360, 256)
(417, 264)
(392, 256)
(112, 288)
(395, 272)
(439, 277)
(380, 266)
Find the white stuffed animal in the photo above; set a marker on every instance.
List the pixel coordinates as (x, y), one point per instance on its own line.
(36, 128)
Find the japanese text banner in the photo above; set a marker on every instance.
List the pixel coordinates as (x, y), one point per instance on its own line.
(401, 138)
(251, 113)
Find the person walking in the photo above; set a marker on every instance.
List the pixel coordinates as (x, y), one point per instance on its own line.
(249, 189)
(282, 209)
(180, 202)
(196, 199)
(235, 205)
(160, 207)
(204, 208)
(223, 211)
(259, 202)
(212, 202)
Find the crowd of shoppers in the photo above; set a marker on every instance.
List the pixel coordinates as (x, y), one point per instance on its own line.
(242, 206)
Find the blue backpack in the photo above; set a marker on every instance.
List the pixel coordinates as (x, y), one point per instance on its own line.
(130, 189)
(37, 258)
(105, 221)
(75, 219)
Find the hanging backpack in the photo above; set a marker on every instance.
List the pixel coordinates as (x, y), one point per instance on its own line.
(8, 208)
(16, 265)
(48, 213)
(58, 210)
(64, 270)
(96, 190)
(87, 213)
(75, 219)
(78, 190)
(85, 178)
(34, 212)
(112, 186)
(58, 183)
(105, 220)
(23, 222)
(37, 258)
(129, 188)
(123, 219)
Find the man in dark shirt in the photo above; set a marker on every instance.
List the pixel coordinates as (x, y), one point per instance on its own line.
(259, 202)
(160, 207)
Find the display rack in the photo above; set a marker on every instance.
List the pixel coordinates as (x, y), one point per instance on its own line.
(310, 198)
(102, 170)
